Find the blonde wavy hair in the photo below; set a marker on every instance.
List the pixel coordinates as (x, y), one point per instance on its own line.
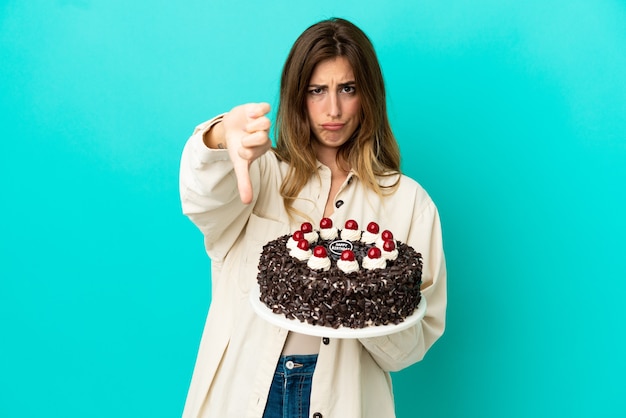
(373, 151)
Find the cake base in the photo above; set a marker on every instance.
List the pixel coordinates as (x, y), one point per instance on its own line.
(296, 325)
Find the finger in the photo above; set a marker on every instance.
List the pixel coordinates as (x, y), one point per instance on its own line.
(256, 139)
(261, 123)
(244, 184)
(252, 147)
(250, 154)
(255, 110)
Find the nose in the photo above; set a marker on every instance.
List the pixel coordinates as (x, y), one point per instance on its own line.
(334, 108)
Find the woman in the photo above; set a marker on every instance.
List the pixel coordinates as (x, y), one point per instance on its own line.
(336, 157)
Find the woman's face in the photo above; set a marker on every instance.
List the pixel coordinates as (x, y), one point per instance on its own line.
(332, 102)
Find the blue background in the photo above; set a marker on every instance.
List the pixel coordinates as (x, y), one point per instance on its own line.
(512, 114)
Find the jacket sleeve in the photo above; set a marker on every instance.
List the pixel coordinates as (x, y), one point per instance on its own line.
(209, 194)
(396, 351)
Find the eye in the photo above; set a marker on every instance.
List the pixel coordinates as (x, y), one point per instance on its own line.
(316, 91)
(348, 89)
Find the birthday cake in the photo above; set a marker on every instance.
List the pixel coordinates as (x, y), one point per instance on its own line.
(340, 277)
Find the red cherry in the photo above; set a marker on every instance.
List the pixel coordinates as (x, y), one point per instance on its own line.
(303, 244)
(386, 235)
(374, 252)
(347, 255)
(351, 224)
(326, 223)
(298, 235)
(306, 227)
(319, 251)
(389, 245)
(373, 228)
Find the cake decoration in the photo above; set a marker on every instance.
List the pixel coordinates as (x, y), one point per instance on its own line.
(370, 235)
(347, 263)
(301, 251)
(386, 235)
(320, 260)
(294, 239)
(343, 281)
(389, 251)
(327, 230)
(351, 231)
(373, 260)
(309, 234)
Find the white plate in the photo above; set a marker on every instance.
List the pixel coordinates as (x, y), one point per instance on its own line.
(321, 331)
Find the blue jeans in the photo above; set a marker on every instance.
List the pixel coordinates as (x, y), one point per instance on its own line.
(290, 393)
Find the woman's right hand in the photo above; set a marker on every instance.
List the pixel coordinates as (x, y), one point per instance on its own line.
(245, 132)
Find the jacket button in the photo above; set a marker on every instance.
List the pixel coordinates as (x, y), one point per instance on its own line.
(317, 415)
(339, 203)
(326, 340)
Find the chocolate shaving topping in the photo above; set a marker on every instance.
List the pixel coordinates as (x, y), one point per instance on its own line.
(333, 298)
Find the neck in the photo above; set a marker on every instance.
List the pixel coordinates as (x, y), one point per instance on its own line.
(332, 160)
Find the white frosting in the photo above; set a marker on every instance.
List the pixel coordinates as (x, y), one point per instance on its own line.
(319, 263)
(300, 254)
(389, 255)
(380, 241)
(350, 234)
(328, 233)
(324, 263)
(292, 243)
(368, 237)
(347, 266)
(374, 263)
(311, 236)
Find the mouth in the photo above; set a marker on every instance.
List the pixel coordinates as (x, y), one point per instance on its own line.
(332, 126)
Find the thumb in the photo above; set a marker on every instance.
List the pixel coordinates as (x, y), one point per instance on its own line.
(244, 184)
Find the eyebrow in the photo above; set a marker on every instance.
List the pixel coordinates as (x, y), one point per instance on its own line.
(347, 83)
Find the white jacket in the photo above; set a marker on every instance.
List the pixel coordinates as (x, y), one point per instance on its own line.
(239, 351)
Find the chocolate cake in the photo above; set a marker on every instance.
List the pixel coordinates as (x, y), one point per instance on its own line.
(348, 278)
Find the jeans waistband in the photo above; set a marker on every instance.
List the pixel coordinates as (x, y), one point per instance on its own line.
(301, 364)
